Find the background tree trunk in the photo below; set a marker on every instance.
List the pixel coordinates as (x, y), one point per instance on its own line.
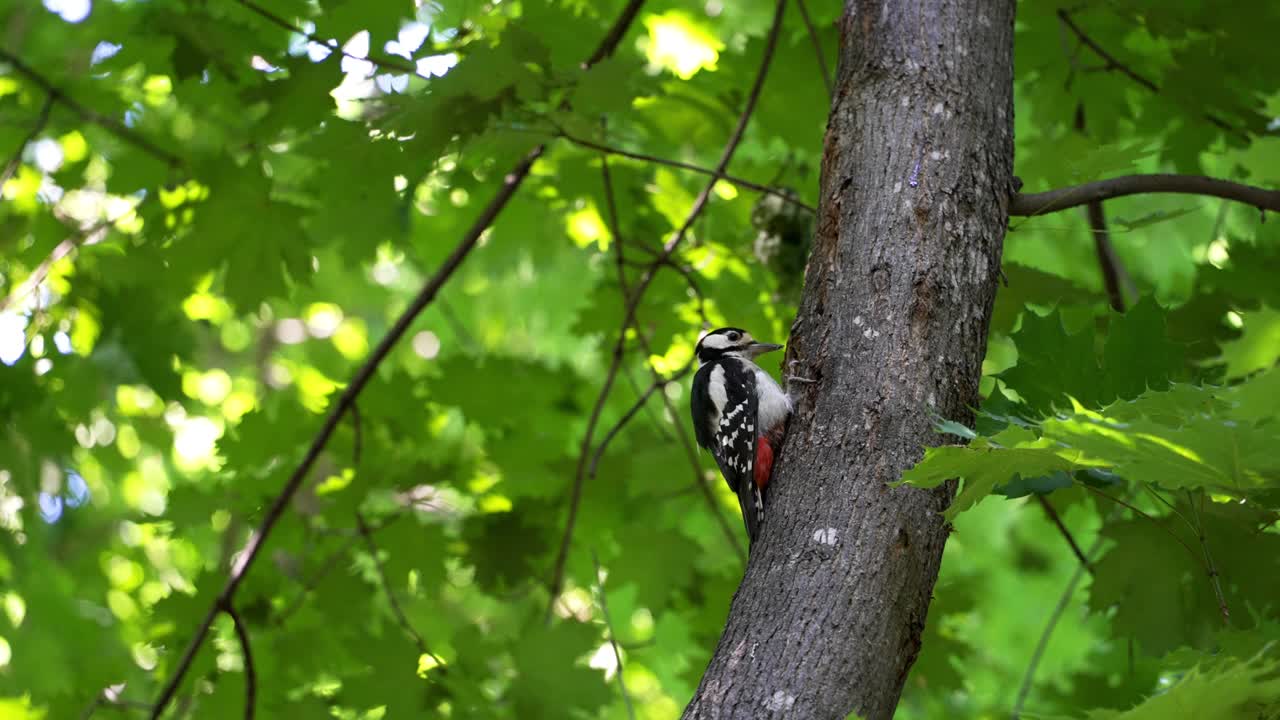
(916, 178)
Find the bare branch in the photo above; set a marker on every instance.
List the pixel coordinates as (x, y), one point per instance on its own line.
(343, 405)
(250, 674)
(1052, 512)
(817, 47)
(680, 164)
(1114, 277)
(88, 114)
(357, 439)
(42, 119)
(669, 247)
(613, 638)
(1050, 201)
(1210, 567)
(609, 43)
(327, 565)
(401, 619)
(511, 182)
(1059, 609)
(1113, 63)
(660, 382)
(382, 61)
(85, 236)
(1140, 514)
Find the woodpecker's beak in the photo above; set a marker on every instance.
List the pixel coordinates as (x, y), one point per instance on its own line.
(757, 349)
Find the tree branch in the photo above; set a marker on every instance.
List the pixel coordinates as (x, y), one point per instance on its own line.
(1050, 201)
(1210, 567)
(1028, 677)
(1052, 512)
(250, 675)
(343, 405)
(817, 47)
(1114, 277)
(1113, 63)
(642, 157)
(42, 119)
(381, 61)
(1141, 514)
(699, 204)
(660, 382)
(401, 619)
(327, 565)
(89, 115)
(511, 182)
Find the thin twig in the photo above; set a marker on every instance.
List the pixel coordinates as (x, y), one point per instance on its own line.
(86, 236)
(357, 433)
(42, 119)
(654, 159)
(1052, 512)
(401, 619)
(88, 114)
(362, 377)
(613, 637)
(659, 382)
(654, 420)
(381, 61)
(1142, 514)
(1028, 677)
(460, 331)
(511, 182)
(1114, 277)
(620, 256)
(817, 48)
(1113, 63)
(327, 565)
(250, 675)
(1210, 567)
(669, 247)
(642, 396)
(1050, 201)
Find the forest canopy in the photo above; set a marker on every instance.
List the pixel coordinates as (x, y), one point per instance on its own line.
(346, 351)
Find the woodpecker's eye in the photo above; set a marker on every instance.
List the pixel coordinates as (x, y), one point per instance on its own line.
(734, 336)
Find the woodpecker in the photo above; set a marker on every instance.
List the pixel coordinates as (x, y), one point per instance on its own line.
(740, 415)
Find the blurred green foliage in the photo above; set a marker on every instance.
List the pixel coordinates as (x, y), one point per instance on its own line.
(208, 219)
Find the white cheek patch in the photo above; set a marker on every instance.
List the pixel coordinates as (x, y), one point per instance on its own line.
(716, 342)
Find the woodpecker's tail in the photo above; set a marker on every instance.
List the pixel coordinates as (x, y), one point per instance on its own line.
(751, 500)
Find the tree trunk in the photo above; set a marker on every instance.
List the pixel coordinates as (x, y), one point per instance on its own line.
(916, 176)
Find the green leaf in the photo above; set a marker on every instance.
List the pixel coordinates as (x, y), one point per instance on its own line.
(1239, 690)
(551, 680)
(982, 466)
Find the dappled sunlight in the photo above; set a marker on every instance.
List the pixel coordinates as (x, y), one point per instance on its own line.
(677, 43)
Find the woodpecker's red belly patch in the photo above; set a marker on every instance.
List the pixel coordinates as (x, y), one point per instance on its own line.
(764, 461)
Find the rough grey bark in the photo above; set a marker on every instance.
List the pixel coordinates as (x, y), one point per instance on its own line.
(917, 173)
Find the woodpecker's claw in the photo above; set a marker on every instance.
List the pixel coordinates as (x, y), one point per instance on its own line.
(796, 378)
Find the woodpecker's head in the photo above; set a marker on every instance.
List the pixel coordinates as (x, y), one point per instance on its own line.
(730, 341)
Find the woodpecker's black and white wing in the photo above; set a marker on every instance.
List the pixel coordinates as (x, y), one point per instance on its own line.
(724, 408)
